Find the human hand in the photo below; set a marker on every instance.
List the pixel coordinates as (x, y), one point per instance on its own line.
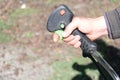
(92, 27)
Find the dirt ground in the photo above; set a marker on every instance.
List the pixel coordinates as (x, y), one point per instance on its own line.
(30, 50)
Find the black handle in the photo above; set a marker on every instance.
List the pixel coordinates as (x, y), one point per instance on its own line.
(63, 16)
(86, 44)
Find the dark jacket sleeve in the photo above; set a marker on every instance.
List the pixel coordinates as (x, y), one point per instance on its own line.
(112, 19)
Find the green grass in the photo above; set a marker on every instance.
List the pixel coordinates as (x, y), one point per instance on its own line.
(7, 24)
(5, 38)
(52, 2)
(63, 70)
(23, 12)
(29, 34)
(4, 25)
(114, 0)
(1, 0)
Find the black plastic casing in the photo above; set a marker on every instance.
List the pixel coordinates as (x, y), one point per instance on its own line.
(56, 19)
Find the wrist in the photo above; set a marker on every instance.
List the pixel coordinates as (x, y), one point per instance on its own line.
(99, 25)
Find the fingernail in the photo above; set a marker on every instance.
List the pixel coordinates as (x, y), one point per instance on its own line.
(54, 39)
(64, 34)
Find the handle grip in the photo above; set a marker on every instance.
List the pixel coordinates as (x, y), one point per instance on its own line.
(87, 45)
(60, 18)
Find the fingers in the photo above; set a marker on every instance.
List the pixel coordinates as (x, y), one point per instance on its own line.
(77, 45)
(73, 40)
(73, 25)
(55, 37)
(70, 40)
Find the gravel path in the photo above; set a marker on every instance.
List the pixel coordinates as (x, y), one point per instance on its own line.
(23, 65)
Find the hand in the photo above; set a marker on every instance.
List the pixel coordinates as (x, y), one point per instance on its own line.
(92, 27)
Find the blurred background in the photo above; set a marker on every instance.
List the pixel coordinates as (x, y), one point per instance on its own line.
(27, 51)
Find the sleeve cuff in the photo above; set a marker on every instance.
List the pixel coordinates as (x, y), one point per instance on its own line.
(112, 19)
(108, 26)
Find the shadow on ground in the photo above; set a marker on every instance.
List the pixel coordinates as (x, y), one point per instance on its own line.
(110, 53)
(82, 68)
